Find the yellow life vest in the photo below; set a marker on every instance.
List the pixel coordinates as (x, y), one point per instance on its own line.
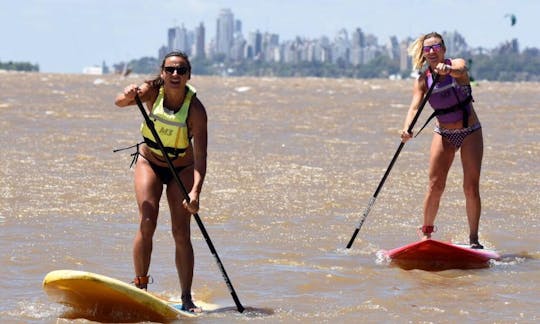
(170, 126)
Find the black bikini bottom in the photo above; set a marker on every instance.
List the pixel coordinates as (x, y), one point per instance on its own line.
(164, 173)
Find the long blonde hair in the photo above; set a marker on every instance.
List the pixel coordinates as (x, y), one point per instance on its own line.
(416, 49)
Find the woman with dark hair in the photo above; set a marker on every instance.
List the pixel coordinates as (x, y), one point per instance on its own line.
(457, 128)
(181, 122)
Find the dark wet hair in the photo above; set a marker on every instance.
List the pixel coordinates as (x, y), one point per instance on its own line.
(177, 53)
(157, 82)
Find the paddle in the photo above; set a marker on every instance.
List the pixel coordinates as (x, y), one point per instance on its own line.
(150, 124)
(379, 187)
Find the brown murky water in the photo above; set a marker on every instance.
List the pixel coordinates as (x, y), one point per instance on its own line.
(292, 165)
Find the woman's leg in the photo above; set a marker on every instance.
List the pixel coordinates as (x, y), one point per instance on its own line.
(441, 156)
(148, 189)
(472, 152)
(180, 220)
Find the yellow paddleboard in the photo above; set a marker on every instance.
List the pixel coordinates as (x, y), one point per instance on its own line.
(100, 298)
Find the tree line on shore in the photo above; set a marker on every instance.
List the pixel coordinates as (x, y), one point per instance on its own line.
(19, 66)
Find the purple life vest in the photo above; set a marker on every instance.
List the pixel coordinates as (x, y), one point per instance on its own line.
(448, 93)
(450, 101)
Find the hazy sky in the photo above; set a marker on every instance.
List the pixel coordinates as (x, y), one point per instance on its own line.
(66, 35)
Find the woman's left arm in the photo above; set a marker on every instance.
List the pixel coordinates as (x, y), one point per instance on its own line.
(198, 124)
(459, 71)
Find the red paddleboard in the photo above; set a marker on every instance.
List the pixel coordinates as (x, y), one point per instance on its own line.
(432, 255)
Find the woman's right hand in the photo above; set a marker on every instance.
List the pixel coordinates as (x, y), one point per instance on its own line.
(130, 91)
(405, 136)
(127, 96)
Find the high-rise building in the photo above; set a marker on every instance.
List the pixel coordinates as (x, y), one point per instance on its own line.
(392, 48)
(199, 51)
(237, 26)
(179, 40)
(269, 44)
(405, 63)
(162, 52)
(358, 39)
(171, 38)
(254, 45)
(342, 47)
(225, 32)
(238, 48)
(357, 44)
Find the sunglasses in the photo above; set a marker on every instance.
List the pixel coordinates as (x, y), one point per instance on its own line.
(435, 47)
(180, 70)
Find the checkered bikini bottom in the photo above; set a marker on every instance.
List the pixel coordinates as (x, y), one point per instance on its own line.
(457, 136)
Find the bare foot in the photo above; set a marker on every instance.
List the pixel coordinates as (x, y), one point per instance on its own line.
(425, 232)
(473, 241)
(189, 306)
(476, 245)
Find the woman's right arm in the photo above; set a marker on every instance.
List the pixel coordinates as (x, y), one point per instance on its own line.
(419, 88)
(127, 97)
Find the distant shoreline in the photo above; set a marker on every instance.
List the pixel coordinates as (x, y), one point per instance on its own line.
(147, 76)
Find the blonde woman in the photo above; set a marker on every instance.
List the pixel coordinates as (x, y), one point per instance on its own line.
(457, 128)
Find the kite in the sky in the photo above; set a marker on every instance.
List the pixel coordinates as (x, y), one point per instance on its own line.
(513, 19)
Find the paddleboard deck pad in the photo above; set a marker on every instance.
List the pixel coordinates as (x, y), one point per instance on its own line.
(104, 299)
(433, 255)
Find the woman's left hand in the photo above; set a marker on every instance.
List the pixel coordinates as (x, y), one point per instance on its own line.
(193, 205)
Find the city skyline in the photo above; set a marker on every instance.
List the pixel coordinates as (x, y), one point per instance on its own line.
(231, 44)
(97, 31)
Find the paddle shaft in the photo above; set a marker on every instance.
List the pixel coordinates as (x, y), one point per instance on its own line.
(150, 124)
(400, 147)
